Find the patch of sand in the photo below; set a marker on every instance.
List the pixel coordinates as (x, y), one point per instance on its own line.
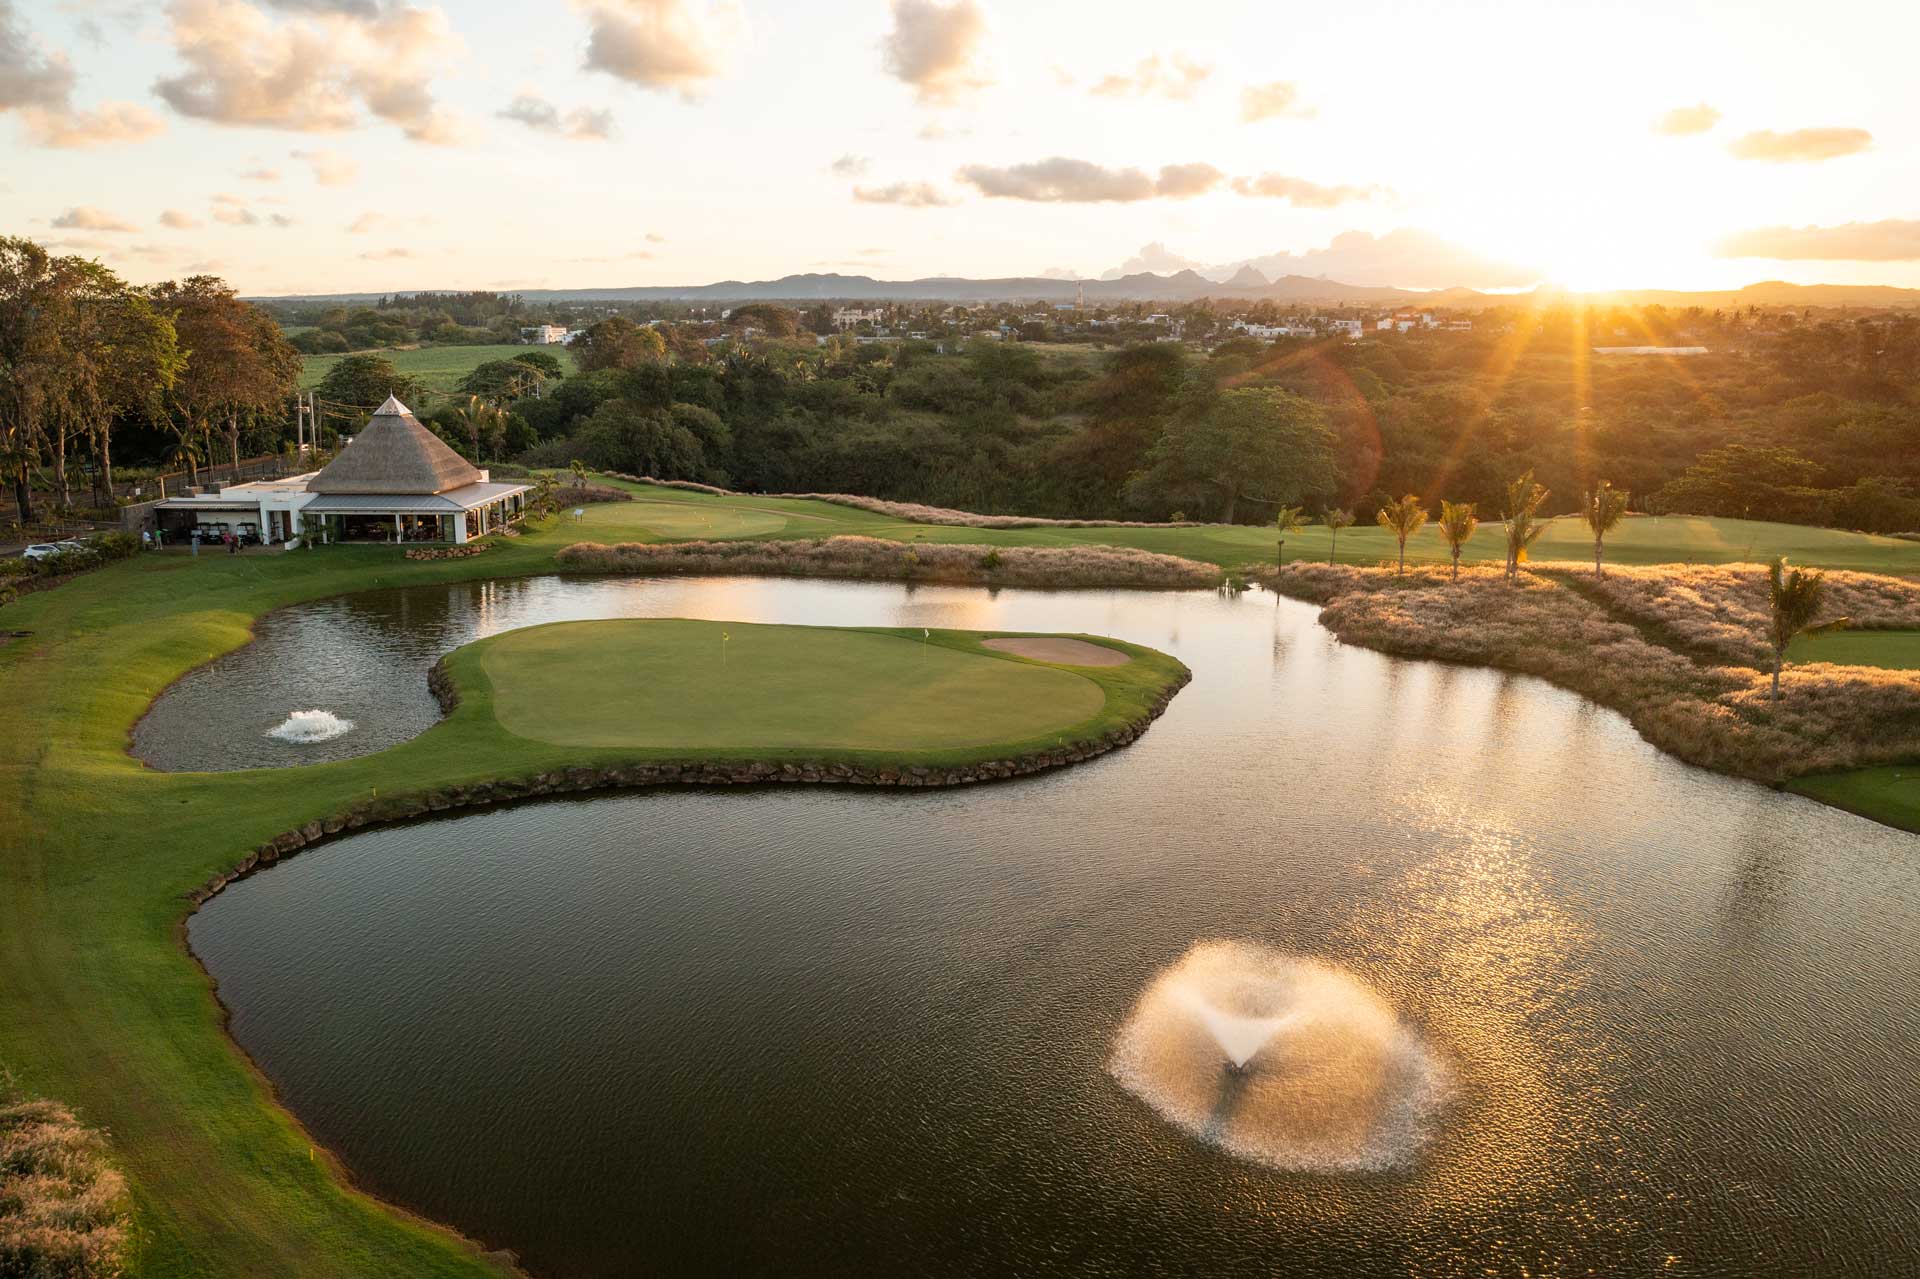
(1067, 652)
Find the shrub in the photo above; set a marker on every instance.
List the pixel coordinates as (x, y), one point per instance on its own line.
(63, 1208)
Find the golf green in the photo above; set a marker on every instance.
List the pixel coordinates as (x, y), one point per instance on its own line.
(695, 684)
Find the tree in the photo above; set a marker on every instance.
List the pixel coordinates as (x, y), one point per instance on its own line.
(504, 381)
(1794, 600)
(545, 361)
(1289, 519)
(365, 381)
(617, 343)
(1403, 518)
(1253, 442)
(1521, 516)
(238, 364)
(476, 418)
(1457, 524)
(1335, 520)
(1602, 509)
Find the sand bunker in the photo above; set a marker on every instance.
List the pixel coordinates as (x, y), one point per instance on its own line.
(1285, 1061)
(1067, 652)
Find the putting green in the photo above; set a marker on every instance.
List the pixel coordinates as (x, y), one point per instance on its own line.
(687, 684)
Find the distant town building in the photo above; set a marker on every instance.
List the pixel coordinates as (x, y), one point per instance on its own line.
(1352, 328)
(848, 316)
(545, 334)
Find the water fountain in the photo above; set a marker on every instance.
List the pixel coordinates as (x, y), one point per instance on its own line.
(305, 727)
(1285, 1061)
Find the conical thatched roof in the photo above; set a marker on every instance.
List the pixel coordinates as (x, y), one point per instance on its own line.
(395, 454)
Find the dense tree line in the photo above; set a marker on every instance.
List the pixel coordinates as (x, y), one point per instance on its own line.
(88, 362)
(1810, 422)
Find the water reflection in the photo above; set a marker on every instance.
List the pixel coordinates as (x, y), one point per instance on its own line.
(832, 1033)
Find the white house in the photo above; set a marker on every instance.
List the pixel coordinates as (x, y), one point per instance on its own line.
(545, 334)
(395, 482)
(1352, 328)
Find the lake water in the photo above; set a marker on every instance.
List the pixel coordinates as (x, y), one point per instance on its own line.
(830, 1032)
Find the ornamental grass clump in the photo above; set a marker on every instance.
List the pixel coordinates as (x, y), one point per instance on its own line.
(869, 557)
(63, 1208)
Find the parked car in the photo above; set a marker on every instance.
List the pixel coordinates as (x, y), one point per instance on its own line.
(42, 550)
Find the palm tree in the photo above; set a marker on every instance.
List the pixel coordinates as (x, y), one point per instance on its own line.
(1521, 515)
(1405, 518)
(1602, 510)
(1457, 523)
(1794, 600)
(1289, 519)
(1335, 520)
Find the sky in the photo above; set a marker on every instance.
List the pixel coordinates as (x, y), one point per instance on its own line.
(309, 146)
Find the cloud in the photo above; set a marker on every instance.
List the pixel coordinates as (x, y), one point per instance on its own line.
(105, 125)
(654, 237)
(180, 221)
(387, 255)
(1801, 146)
(1155, 257)
(367, 222)
(1176, 78)
(938, 48)
(231, 210)
(281, 220)
(29, 76)
(1060, 180)
(912, 195)
(262, 175)
(330, 168)
(1300, 193)
(1406, 258)
(671, 45)
(87, 218)
(311, 75)
(1685, 121)
(580, 123)
(1272, 101)
(1894, 240)
(38, 83)
(850, 166)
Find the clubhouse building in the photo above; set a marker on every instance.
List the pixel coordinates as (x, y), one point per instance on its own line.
(396, 482)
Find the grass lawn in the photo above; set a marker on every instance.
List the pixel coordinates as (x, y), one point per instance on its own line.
(692, 685)
(438, 368)
(101, 1007)
(1890, 794)
(669, 514)
(1894, 650)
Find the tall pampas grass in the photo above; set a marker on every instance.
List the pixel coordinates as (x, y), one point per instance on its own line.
(63, 1208)
(870, 557)
(1684, 699)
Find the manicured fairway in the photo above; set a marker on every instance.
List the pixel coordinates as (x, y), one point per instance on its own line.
(1894, 650)
(679, 683)
(1639, 539)
(438, 368)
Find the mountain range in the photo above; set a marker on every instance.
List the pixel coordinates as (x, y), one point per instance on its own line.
(1247, 284)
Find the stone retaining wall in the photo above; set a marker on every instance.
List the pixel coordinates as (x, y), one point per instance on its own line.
(568, 781)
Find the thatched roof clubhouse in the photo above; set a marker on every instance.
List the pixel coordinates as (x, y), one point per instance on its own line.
(396, 482)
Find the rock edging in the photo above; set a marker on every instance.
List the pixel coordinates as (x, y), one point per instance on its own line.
(574, 780)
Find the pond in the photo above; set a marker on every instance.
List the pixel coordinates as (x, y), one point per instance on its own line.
(831, 1032)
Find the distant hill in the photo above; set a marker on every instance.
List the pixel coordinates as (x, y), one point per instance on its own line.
(1183, 286)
